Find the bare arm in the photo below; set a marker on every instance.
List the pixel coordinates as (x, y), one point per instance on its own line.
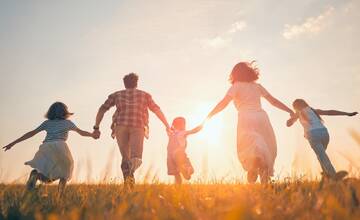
(335, 112)
(292, 120)
(100, 115)
(278, 104)
(157, 111)
(194, 130)
(22, 138)
(84, 133)
(162, 117)
(220, 106)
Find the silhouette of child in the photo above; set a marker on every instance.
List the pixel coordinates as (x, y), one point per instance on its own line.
(178, 163)
(53, 160)
(317, 134)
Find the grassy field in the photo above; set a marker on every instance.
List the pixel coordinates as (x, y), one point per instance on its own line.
(286, 200)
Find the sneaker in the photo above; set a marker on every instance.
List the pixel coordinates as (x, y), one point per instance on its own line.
(340, 175)
(31, 183)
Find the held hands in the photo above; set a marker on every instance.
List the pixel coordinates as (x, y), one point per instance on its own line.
(96, 134)
(291, 121)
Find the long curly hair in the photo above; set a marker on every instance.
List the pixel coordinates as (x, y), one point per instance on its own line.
(244, 72)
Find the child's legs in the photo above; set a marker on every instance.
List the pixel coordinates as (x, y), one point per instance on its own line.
(178, 178)
(184, 165)
(318, 140)
(62, 184)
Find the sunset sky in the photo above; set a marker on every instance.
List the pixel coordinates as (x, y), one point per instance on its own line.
(78, 51)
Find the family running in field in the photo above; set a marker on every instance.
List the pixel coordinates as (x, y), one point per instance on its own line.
(256, 142)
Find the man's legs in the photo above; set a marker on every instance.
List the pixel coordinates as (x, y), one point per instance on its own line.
(122, 137)
(136, 143)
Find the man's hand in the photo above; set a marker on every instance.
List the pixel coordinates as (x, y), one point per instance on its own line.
(8, 147)
(96, 134)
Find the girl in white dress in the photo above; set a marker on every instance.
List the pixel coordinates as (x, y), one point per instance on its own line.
(316, 133)
(53, 161)
(256, 143)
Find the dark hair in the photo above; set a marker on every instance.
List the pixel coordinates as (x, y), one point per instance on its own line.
(58, 111)
(179, 123)
(300, 104)
(244, 72)
(131, 80)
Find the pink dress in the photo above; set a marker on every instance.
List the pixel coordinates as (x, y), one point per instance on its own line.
(255, 135)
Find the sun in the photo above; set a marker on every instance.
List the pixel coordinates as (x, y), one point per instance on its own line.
(211, 132)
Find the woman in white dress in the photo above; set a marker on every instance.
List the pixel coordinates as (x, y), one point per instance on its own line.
(256, 143)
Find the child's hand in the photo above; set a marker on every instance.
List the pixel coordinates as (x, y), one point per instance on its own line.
(8, 147)
(96, 134)
(352, 114)
(290, 122)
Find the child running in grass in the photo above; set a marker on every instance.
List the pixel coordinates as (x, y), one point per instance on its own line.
(53, 161)
(317, 134)
(178, 163)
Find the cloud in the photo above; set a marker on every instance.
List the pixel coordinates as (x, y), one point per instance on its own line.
(237, 26)
(224, 39)
(311, 26)
(216, 42)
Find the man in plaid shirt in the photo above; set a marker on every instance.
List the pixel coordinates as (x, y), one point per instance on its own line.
(130, 123)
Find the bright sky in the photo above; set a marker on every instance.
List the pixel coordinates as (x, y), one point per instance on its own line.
(78, 51)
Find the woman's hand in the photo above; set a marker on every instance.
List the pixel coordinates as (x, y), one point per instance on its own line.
(8, 147)
(352, 114)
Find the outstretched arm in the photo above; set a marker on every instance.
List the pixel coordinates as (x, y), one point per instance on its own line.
(157, 111)
(162, 118)
(194, 130)
(335, 112)
(100, 115)
(110, 102)
(292, 120)
(22, 138)
(278, 104)
(220, 106)
(85, 133)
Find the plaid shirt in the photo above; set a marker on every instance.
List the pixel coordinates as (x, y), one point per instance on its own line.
(131, 107)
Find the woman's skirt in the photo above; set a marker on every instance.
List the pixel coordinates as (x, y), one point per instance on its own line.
(53, 160)
(256, 140)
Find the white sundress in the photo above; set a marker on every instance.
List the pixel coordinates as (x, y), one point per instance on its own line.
(255, 135)
(54, 159)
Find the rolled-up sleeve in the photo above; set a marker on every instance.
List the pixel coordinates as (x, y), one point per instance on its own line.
(152, 105)
(110, 102)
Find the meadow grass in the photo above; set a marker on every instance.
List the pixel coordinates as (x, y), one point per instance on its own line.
(283, 200)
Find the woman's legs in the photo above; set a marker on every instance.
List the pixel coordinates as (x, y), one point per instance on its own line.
(31, 183)
(34, 177)
(61, 188)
